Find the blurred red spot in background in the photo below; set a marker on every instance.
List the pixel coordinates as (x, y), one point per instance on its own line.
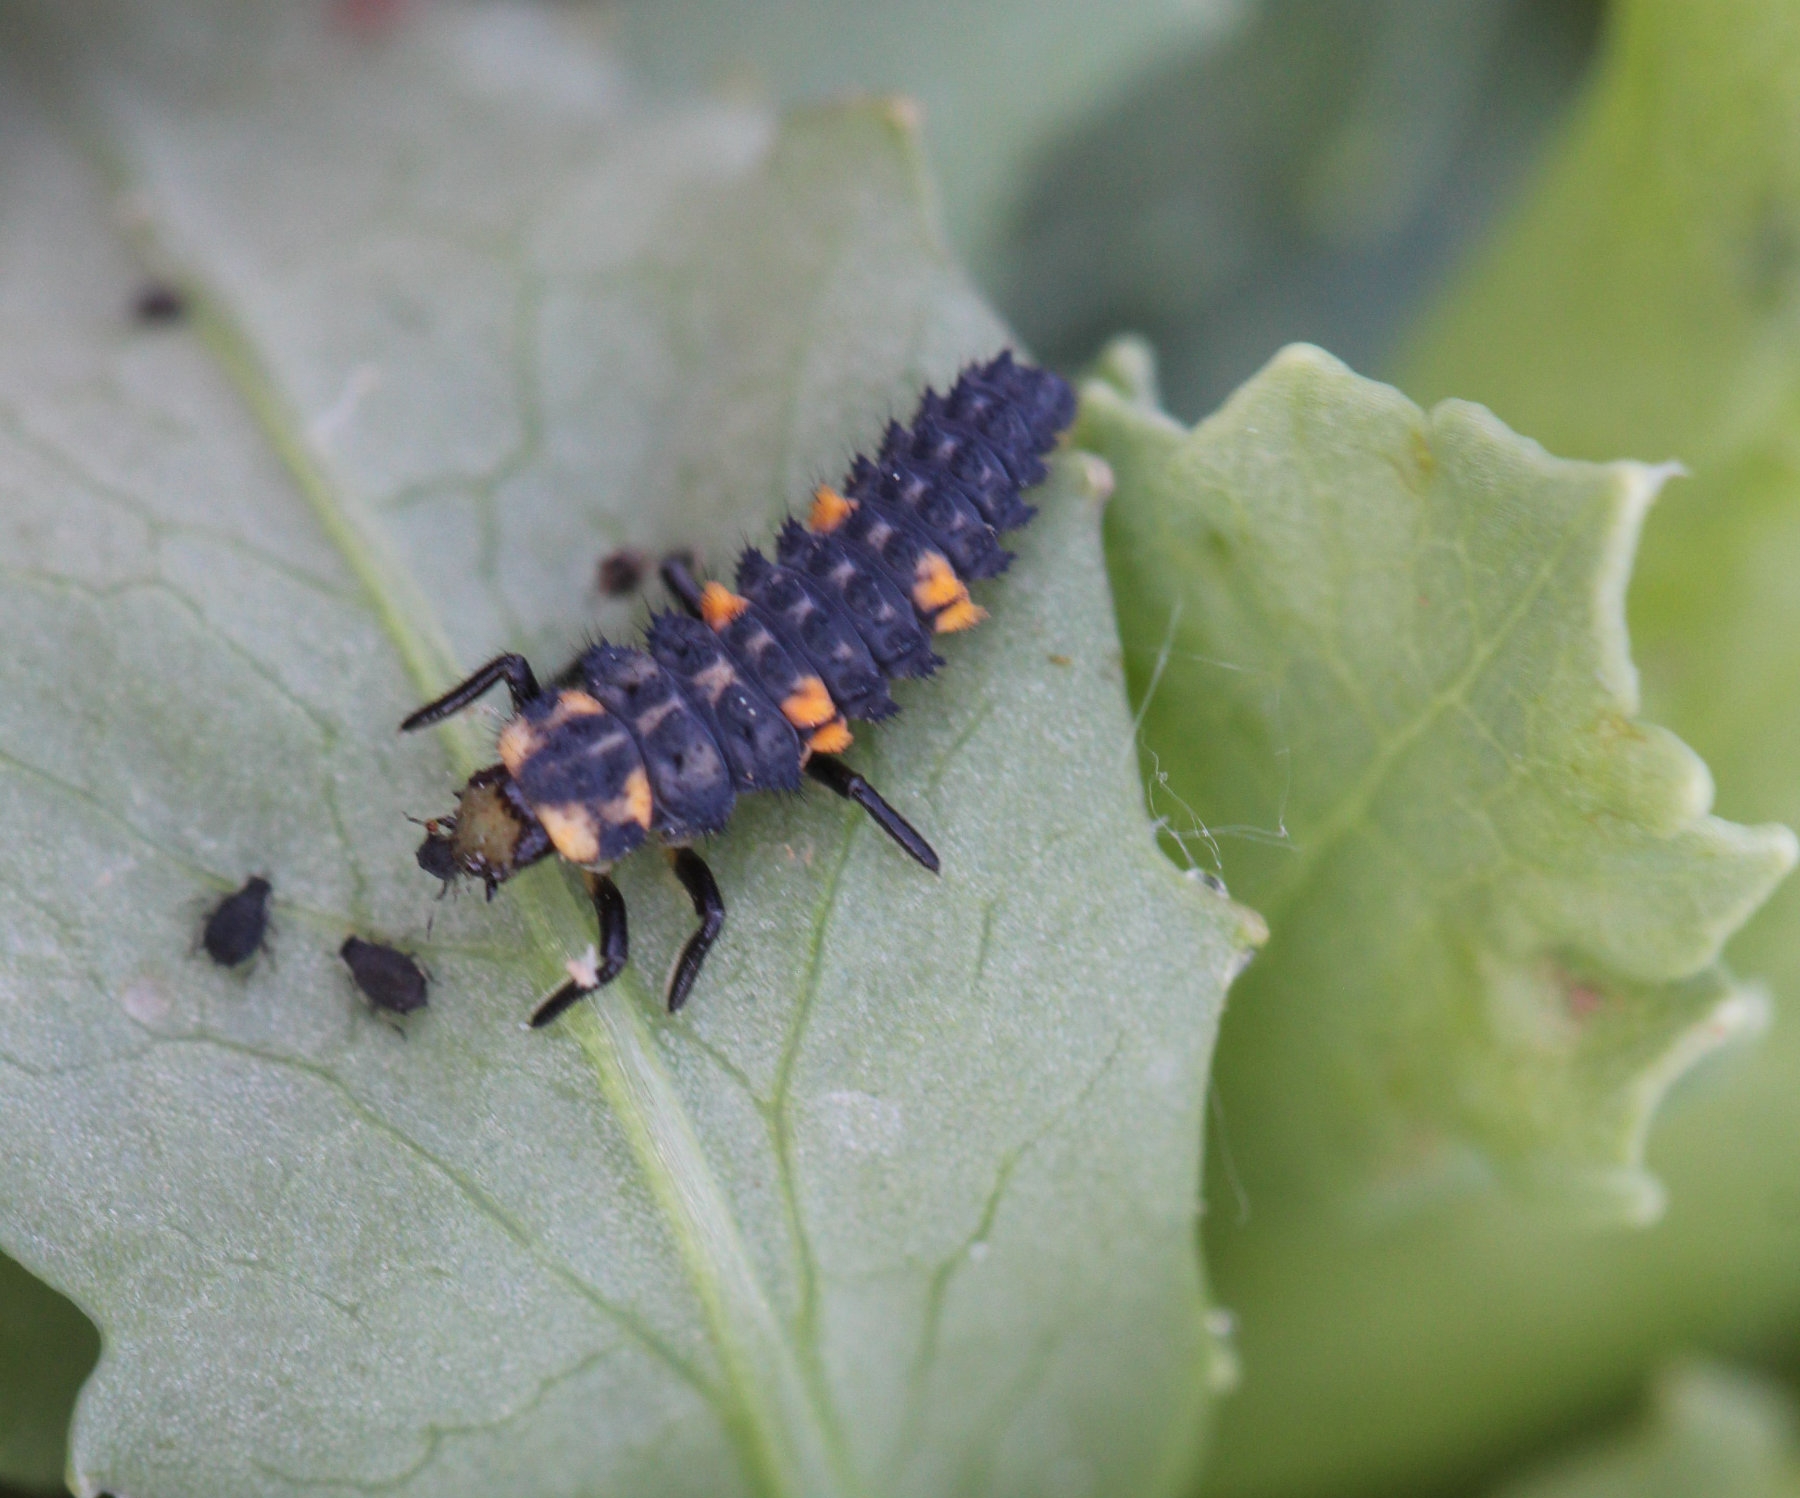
(368, 20)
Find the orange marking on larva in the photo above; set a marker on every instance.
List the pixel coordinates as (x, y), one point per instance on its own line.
(572, 830)
(809, 704)
(518, 742)
(829, 509)
(830, 739)
(719, 605)
(960, 615)
(935, 583)
(637, 797)
(633, 804)
(522, 738)
(573, 704)
(938, 590)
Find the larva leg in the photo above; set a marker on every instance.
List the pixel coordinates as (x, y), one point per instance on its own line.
(514, 670)
(839, 777)
(698, 881)
(609, 906)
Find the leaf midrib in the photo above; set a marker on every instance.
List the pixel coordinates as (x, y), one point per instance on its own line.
(781, 1430)
(1351, 808)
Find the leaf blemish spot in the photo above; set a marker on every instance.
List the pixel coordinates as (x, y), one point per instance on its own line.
(1099, 477)
(1585, 1000)
(145, 1002)
(1424, 458)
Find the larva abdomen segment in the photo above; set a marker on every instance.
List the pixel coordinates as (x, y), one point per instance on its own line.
(761, 748)
(690, 784)
(664, 739)
(814, 628)
(580, 771)
(874, 602)
(937, 506)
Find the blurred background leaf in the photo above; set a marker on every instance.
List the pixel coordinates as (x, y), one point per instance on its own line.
(996, 79)
(1710, 1432)
(1306, 176)
(1224, 176)
(1391, 702)
(1644, 302)
(46, 1349)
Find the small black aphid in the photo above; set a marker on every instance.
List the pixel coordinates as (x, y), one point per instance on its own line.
(238, 925)
(158, 303)
(754, 688)
(620, 572)
(388, 978)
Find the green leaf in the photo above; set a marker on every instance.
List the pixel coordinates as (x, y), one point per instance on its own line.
(1643, 304)
(47, 1348)
(1297, 176)
(902, 1202)
(1711, 1432)
(998, 80)
(1382, 663)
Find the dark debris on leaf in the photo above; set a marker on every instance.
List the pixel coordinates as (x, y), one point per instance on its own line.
(622, 571)
(158, 304)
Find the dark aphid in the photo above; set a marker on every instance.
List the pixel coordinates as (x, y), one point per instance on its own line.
(753, 688)
(157, 304)
(388, 978)
(622, 571)
(238, 925)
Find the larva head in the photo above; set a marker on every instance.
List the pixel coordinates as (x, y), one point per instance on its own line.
(491, 835)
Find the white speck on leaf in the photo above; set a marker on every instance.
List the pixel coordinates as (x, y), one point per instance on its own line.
(862, 1122)
(364, 380)
(1163, 1072)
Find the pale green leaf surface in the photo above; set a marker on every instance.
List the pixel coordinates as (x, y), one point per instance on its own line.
(1382, 663)
(1710, 1432)
(1644, 304)
(902, 1203)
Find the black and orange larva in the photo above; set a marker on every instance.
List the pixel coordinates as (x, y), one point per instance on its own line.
(757, 687)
